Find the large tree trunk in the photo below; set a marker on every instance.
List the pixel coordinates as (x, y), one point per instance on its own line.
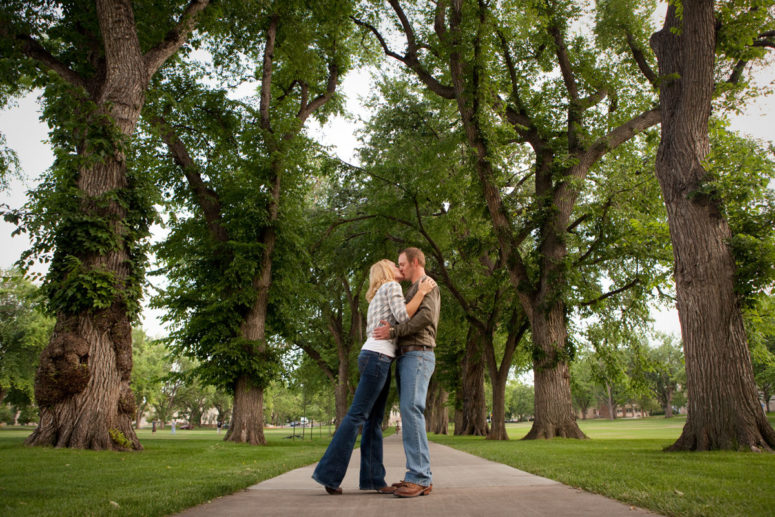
(82, 384)
(473, 419)
(722, 414)
(553, 403)
(247, 423)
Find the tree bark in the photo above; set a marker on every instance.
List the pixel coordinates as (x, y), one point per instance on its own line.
(82, 384)
(473, 417)
(724, 410)
(553, 404)
(247, 422)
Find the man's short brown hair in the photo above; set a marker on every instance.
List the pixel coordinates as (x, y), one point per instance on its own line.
(414, 253)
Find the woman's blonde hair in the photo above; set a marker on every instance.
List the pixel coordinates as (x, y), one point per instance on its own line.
(380, 273)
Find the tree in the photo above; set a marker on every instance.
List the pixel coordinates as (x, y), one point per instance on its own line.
(165, 404)
(760, 327)
(24, 332)
(722, 415)
(150, 364)
(491, 61)
(222, 402)
(193, 400)
(94, 61)
(618, 362)
(582, 384)
(519, 400)
(245, 167)
(667, 372)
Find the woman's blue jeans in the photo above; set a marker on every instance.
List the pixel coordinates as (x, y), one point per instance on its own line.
(367, 409)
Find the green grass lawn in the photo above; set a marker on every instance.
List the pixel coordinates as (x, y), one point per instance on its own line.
(174, 472)
(624, 460)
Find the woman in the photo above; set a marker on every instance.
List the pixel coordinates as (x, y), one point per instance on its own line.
(386, 302)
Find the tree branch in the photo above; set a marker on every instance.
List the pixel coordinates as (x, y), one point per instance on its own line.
(333, 227)
(206, 197)
(565, 67)
(410, 58)
(315, 356)
(176, 37)
(34, 50)
(620, 135)
(600, 298)
(266, 74)
(640, 59)
(513, 339)
(594, 99)
(381, 39)
(445, 273)
(307, 109)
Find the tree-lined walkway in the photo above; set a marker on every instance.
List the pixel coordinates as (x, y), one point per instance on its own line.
(463, 485)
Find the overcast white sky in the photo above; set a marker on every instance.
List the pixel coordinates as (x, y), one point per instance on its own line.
(27, 136)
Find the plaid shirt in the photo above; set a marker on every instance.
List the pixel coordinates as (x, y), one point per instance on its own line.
(388, 304)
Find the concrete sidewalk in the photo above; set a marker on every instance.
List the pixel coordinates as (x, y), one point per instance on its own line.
(463, 485)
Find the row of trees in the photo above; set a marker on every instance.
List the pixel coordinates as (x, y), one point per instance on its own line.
(512, 141)
(616, 374)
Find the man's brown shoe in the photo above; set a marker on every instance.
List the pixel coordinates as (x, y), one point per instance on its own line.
(412, 490)
(334, 491)
(390, 488)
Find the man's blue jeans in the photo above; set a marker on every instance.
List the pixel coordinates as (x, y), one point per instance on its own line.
(413, 371)
(367, 409)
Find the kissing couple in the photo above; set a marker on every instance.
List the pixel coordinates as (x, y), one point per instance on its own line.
(401, 329)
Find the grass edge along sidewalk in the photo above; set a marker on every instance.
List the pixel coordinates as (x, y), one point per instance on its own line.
(624, 460)
(173, 473)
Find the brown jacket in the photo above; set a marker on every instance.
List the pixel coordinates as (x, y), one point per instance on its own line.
(421, 329)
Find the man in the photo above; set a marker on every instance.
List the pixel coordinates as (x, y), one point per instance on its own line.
(416, 340)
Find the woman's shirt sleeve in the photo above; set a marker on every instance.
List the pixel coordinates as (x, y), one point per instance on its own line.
(396, 302)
